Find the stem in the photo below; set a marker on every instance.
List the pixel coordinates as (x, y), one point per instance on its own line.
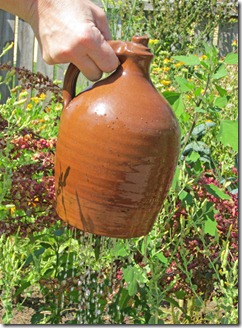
(195, 116)
(145, 249)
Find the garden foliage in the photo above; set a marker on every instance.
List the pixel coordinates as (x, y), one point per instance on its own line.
(186, 270)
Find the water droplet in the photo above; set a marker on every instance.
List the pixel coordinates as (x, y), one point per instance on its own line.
(87, 293)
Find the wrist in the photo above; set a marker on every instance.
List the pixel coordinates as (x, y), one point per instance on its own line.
(24, 8)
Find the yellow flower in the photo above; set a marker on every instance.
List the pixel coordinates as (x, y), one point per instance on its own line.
(58, 107)
(166, 61)
(170, 89)
(166, 82)
(156, 69)
(42, 96)
(166, 69)
(179, 64)
(203, 57)
(234, 43)
(11, 208)
(34, 202)
(35, 99)
(43, 127)
(153, 41)
(29, 107)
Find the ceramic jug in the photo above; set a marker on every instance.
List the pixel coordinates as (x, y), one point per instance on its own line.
(117, 148)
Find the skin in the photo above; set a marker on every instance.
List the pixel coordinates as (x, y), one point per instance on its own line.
(73, 31)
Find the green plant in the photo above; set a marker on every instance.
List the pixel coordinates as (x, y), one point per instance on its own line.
(186, 270)
(12, 259)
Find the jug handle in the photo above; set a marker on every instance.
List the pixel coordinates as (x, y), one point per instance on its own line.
(69, 85)
(121, 49)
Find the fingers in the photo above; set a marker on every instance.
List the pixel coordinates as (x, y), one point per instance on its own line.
(75, 31)
(94, 55)
(88, 68)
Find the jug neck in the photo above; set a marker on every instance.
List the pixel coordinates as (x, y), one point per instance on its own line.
(135, 57)
(136, 65)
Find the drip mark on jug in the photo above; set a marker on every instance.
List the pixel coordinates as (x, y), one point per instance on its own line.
(87, 224)
(62, 184)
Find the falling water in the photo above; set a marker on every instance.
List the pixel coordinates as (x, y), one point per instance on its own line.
(90, 279)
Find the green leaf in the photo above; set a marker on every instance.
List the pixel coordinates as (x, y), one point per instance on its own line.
(36, 318)
(173, 302)
(197, 146)
(193, 157)
(124, 298)
(58, 232)
(178, 107)
(185, 197)
(171, 96)
(231, 59)
(155, 321)
(220, 102)
(97, 247)
(222, 92)
(201, 129)
(220, 73)
(184, 84)
(210, 50)
(161, 257)
(24, 285)
(210, 227)
(175, 181)
(190, 60)
(129, 276)
(180, 294)
(200, 110)
(217, 192)
(120, 250)
(198, 91)
(36, 253)
(133, 275)
(228, 133)
(145, 243)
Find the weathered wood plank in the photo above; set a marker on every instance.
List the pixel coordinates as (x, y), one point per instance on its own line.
(41, 66)
(227, 33)
(6, 36)
(25, 45)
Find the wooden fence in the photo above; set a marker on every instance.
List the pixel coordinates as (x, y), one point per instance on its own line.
(26, 52)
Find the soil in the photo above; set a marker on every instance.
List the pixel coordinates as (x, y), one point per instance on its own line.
(22, 314)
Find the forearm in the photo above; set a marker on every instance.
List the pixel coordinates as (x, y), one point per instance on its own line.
(73, 31)
(21, 8)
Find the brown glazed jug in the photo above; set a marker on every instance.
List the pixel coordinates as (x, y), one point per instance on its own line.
(117, 148)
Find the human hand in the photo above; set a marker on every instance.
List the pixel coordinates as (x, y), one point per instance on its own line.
(73, 31)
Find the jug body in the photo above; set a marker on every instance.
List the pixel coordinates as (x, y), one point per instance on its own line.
(116, 153)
